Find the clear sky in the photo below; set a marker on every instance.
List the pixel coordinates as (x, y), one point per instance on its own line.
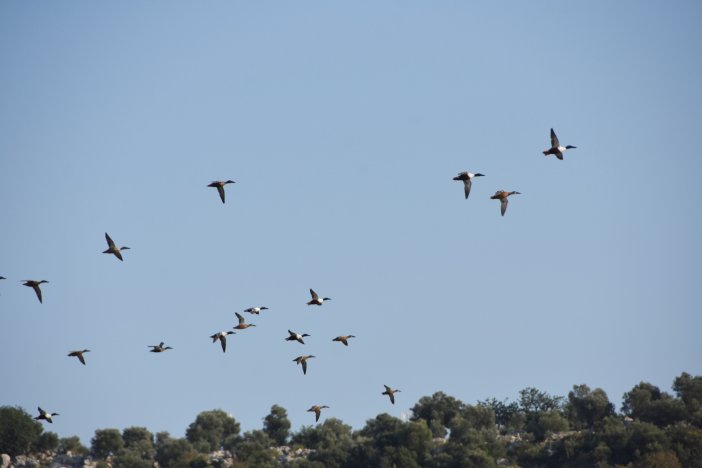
(342, 124)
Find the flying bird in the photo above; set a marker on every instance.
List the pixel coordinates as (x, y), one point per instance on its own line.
(158, 348)
(467, 178)
(303, 360)
(255, 310)
(344, 339)
(113, 249)
(222, 337)
(79, 355)
(390, 392)
(502, 196)
(35, 285)
(296, 337)
(242, 322)
(45, 415)
(556, 148)
(317, 411)
(316, 300)
(219, 184)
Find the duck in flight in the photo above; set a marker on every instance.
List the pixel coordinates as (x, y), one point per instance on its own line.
(316, 300)
(45, 415)
(79, 355)
(296, 337)
(219, 184)
(113, 249)
(391, 393)
(255, 310)
(35, 285)
(467, 178)
(317, 411)
(222, 337)
(242, 322)
(556, 148)
(502, 196)
(344, 339)
(158, 348)
(303, 360)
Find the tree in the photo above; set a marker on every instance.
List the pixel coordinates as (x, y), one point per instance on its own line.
(46, 442)
(213, 430)
(387, 441)
(176, 453)
(689, 390)
(507, 415)
(586, 408)
(72, 445)
(106, 442)
(255, 449)
(277, 425)
(437, 411)
(18, 431)
(647, 403)
(533, 401)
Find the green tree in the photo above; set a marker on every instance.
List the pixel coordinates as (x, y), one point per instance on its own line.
(386, 441)
(175, 453)
(686, 442)
(255, 449)
(437, 411)
(647, 403)
(332, 441)
(106, 442)
(586, 408)
(689, 390)
(277, 425)
(507, 415)
(213, 430)
(72, 445)
(46, 442)
(18, 431)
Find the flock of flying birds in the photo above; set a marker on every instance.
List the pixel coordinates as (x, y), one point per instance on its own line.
(467, 177)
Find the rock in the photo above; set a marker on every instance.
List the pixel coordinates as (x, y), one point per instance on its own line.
(6, 460)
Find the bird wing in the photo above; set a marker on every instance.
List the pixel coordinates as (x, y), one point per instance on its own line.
(110, 242)
(220, 189)
(304, 366)
(467, 184)
(80, 358)
(392, 398)
(118, 254)
(554, 140)
(38, 291)
(503, 206)
(315, 297)
(240, 317)
(223, 340)
(317, 412)
(559, 155)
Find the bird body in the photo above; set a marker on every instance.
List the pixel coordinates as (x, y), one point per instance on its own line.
(35, 285)
(502, 196)
(556, 148)
(222, 337)
(317, 409)
(79, 355)
(294, 336)
(159, 348)
(391, 393)
(45, 415)
(316, 300)
(242, 323)
(255, 310)
(467, 178)
(344, 339)
(303, 360)
(113, 249)
(219, 184)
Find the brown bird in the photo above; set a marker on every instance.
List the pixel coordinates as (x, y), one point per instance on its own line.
(45, 415)
(502, 196)
(219, 184)
(35, 285)
(316, 299)
(556, 148)
(222, 337)
(317, 411)
(158, 348)
(467, 178)
(296, 337)
(242, 325)
(79, 355)
(390, 392)
(303, 360)
(113, 249)
(344, 339)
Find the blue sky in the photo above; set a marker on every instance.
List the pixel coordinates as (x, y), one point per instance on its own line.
(342, 124)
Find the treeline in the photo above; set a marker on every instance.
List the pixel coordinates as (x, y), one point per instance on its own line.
(654, 429)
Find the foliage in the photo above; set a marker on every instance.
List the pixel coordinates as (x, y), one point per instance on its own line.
(72, 445)
(437, 411)
(213, 430)
(586, 408)
(277, 425)
(647, 403)
(18, 430)
(255, 449)
(689, 390)
(105, 443)
(176, 453)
